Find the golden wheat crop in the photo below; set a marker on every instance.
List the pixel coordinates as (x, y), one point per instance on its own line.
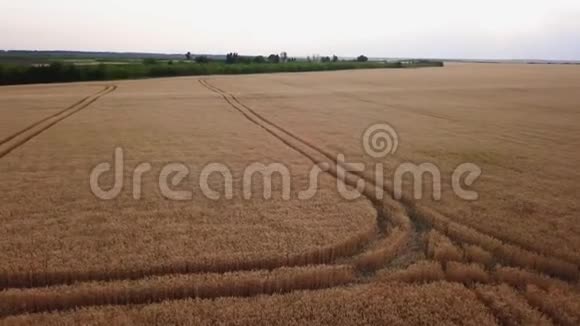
(518, 122)
(45, 187)
(377, 304)
(510, 257)
(510, 308)
(562, 305)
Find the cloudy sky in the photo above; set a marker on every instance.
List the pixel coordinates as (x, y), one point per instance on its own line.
(508, 29)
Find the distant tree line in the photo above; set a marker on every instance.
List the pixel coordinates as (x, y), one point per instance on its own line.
(234, 58)
(362, 58)
(234, 64)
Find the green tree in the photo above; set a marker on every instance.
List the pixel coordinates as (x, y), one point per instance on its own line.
(362, 58)
(232, 57)
(201, 59)
(259, 59)
(274, 58)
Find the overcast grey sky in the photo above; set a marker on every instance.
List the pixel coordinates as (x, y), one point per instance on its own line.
(542, 29)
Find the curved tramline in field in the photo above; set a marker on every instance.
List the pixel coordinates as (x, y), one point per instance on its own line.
(427, 214)
(446, 107)
(19, 138)
(173, 287)
(506, 252)
(386, 208)
(327, 255)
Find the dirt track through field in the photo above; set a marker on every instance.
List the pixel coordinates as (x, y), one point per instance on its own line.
(21, 137)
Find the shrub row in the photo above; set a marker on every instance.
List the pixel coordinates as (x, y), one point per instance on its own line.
(61, 72)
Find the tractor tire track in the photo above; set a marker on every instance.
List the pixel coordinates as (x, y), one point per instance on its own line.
(70, 107)
(419, 213)
(58, 117)
(416, 210)
(319, 256)
(411, 205)
(45, 300)
(387, 209)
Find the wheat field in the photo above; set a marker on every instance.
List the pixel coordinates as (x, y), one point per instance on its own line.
(508, 258)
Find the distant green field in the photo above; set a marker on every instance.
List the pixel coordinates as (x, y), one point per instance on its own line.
(71, 70)
(38, 61)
